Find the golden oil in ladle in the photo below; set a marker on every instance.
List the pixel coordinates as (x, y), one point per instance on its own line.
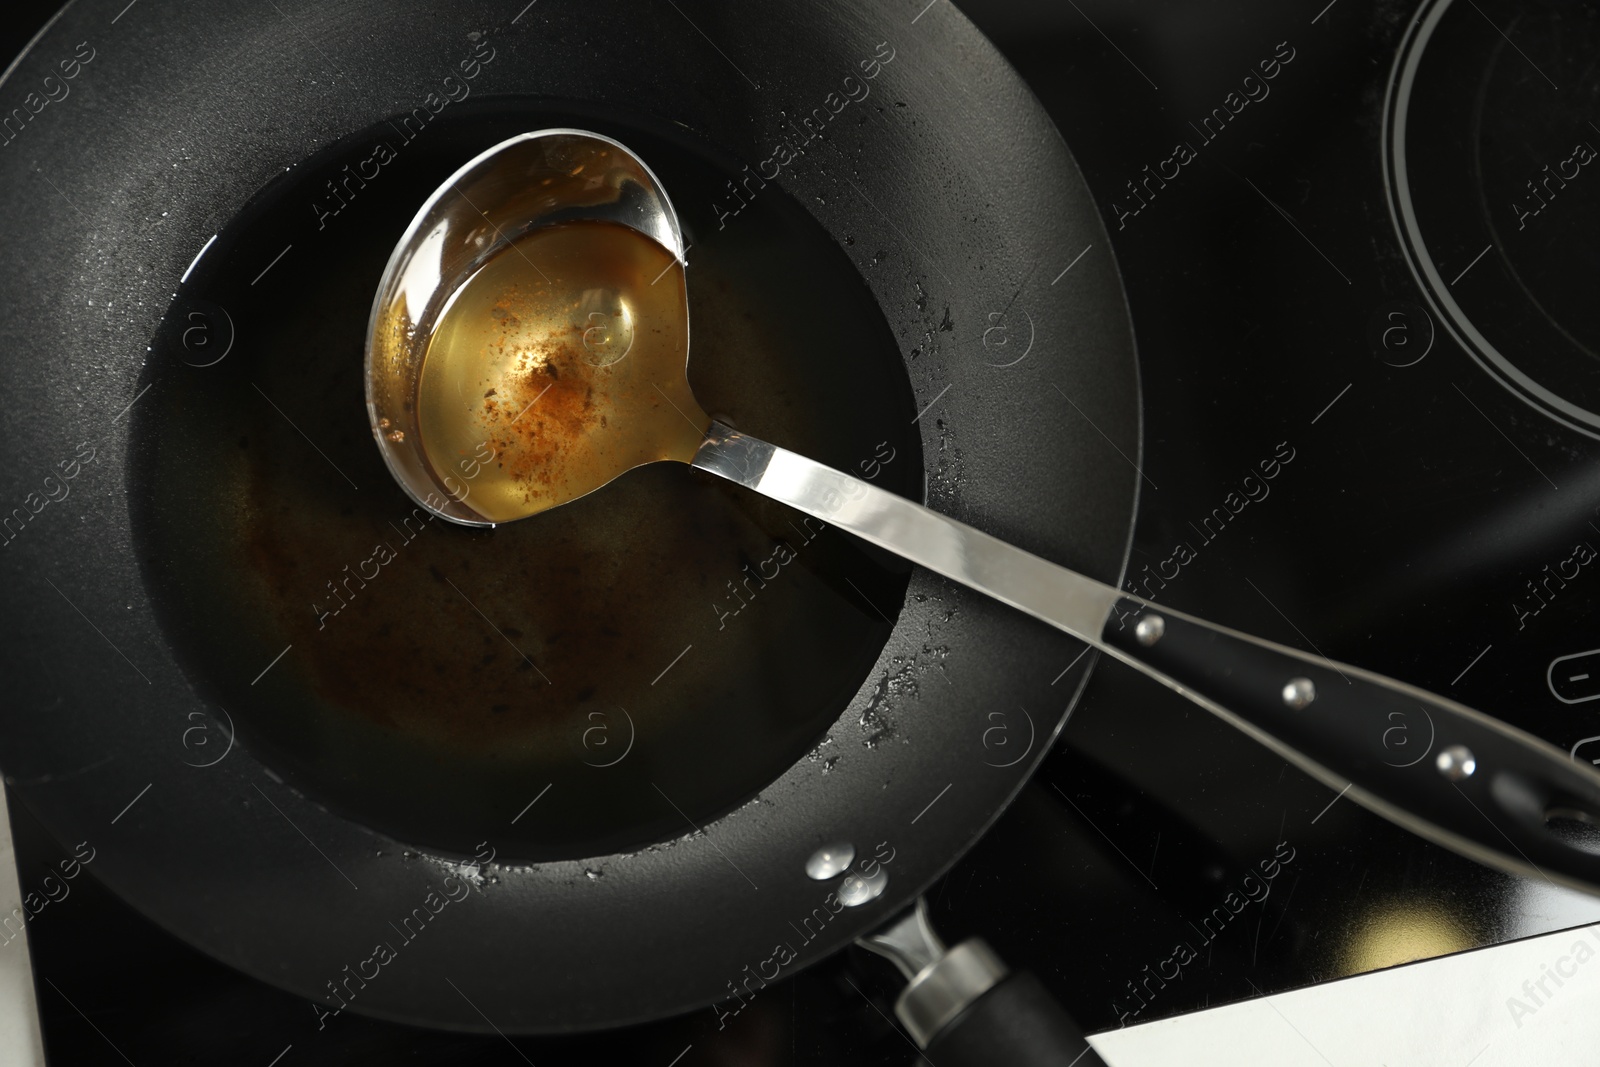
(564, 354)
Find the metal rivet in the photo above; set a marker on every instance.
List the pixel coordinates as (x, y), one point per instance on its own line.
(1299, 693)
(830, 859)
(1149, 630)
(858, 889)
(1456, 762)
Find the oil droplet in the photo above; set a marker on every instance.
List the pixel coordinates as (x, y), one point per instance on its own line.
(858, 889)
(829, 860)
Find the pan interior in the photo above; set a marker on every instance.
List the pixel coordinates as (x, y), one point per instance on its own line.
(596, 679)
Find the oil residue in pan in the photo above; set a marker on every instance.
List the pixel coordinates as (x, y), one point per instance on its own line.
(589, 680)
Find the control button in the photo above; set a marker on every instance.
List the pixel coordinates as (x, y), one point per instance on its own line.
(1587, 751)
(1575, 678)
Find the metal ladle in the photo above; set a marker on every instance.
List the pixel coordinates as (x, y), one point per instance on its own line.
(1481, 787)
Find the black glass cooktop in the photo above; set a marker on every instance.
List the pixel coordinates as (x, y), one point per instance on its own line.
(1358, 243)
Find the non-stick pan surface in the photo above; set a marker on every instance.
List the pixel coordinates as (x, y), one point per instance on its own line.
(960, 210)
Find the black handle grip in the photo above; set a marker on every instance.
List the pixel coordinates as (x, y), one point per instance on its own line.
(1017, 1023)
(1452, 774)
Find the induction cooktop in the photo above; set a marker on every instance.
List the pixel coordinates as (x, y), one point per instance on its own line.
(1358, 241)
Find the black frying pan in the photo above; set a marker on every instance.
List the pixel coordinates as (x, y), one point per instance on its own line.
(265, 809)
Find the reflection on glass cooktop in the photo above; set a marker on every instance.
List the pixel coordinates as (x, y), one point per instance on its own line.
(1357, 243)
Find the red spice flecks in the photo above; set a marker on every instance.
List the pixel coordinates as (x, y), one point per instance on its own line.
(536, 415)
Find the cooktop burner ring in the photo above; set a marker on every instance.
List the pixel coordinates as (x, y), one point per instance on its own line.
(1461, 239)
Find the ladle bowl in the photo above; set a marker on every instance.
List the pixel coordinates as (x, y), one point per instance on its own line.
(532, 180)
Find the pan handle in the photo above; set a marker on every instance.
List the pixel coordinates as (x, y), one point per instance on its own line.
(964, 1008)
(1442, 770)
(1017, 1023)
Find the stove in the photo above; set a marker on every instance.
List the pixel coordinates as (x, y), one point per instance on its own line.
(1358, 245)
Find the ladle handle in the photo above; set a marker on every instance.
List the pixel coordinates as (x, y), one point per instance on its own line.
(1449, 773)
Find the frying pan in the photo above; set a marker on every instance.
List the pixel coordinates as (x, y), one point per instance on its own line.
(948, 194)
